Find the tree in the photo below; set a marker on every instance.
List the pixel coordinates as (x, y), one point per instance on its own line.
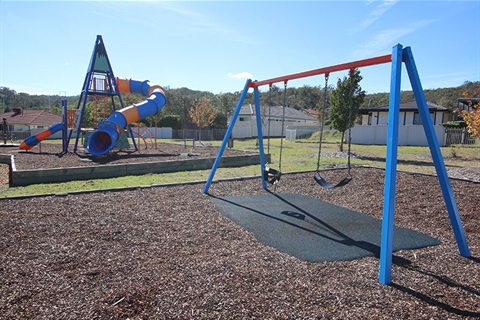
(472, 117)
(226, 102)
(179, 102)
(203, 113)
(221, 121)
(340, 103)
(307, 97)
(172, 121)
(5, 96)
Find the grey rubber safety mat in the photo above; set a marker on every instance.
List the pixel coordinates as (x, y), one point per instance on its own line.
(314, 230)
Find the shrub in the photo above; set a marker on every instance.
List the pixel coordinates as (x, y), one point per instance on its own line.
(170, 121)
(455, 124)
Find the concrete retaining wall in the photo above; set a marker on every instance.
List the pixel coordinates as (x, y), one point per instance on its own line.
(27, 177)
(6, 159)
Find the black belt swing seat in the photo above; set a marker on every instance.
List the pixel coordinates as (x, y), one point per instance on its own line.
(327, 185)
(271, 175)
(317, 177)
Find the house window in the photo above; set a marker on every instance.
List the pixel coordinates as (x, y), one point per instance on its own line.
(416, 118)
(369, 119)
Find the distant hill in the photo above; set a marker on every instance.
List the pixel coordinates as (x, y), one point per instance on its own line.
(10, 99)
(445, 97)
(181, 99)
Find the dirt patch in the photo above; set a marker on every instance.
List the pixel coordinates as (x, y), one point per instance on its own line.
(472, 174)
(166, 253)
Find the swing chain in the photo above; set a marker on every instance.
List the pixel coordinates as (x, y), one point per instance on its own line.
(270, 175)
(322, 122)
(269, 113)
(283, 126)
(350, 121)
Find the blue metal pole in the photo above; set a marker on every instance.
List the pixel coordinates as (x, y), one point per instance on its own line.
(65, 129)
(260, 135)
(436, 153)
(225, 138)
(84, 95)
(386, 248)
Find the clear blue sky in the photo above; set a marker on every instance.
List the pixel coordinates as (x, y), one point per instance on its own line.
(45, 47)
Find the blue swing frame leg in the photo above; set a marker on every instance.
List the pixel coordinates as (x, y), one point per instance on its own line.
(386, 250)
(256, 95)
(226, 137)
(436, 153)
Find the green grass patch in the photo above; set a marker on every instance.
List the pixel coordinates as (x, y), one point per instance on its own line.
(296, 156)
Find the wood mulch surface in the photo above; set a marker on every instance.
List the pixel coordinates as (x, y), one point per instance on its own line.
(166, 253)
(4, 179)
(50, 155)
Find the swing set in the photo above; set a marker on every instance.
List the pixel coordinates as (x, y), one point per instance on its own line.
(273, 176)
(399, 55)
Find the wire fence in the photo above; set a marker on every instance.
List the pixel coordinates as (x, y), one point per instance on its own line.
(17, 135)
(452, 135)
(199, 134)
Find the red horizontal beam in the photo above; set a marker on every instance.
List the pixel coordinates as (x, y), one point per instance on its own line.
(326, 70)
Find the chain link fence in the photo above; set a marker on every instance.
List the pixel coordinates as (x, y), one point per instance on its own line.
(199, 134)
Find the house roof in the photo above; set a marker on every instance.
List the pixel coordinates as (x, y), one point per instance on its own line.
(312, 112)
(277, 112)
(470, 102)
(405, 106)
(31, 117)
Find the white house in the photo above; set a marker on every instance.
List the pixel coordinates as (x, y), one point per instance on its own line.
(409, 114)
(246, 125)
(25, 120)
(372, 127)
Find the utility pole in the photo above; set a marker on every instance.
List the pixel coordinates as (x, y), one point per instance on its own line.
(3, 103)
